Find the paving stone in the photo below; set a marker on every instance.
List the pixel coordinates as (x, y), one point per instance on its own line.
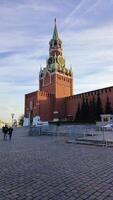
(47, 168)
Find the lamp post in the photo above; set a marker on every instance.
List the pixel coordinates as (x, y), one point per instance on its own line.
(12, 116)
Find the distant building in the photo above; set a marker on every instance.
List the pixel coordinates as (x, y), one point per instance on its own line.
(55, 94)
(2, 124)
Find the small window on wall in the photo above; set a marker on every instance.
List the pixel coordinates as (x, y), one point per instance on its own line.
(109, 89)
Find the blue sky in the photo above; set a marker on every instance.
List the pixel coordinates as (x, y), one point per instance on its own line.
(26, 27)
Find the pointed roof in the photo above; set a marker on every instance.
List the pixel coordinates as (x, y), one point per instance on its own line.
(55, 33)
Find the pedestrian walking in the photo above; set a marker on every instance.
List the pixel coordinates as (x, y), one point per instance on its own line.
(5, 131)
(10, 131)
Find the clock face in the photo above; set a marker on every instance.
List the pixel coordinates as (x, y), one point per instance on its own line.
(61, 61)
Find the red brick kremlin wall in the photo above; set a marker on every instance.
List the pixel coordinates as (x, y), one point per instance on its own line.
(41, 105)
(44, 104)
(72, 102)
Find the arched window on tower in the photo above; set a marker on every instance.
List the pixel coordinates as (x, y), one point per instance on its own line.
(59, 45)
(55, 43)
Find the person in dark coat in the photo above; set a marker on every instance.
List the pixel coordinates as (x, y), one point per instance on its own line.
(5, 131)
(10, 131)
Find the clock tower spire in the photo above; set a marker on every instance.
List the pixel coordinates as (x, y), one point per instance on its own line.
(55, 33)
(56, 78)
(55, 44)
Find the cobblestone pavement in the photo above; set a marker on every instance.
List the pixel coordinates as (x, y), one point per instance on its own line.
(45, 167)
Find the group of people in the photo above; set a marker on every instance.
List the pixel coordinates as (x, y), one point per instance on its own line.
(7, 131)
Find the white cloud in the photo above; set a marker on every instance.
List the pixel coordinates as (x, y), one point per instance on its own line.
(89, 13)
(26, 29)
(90, 56)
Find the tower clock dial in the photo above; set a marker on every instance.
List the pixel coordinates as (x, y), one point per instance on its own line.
(61, 61)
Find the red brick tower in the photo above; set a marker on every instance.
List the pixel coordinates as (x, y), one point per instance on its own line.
(55, 78)
(55, 83)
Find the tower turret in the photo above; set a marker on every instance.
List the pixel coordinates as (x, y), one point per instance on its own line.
(56, 65)
(55, 44)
